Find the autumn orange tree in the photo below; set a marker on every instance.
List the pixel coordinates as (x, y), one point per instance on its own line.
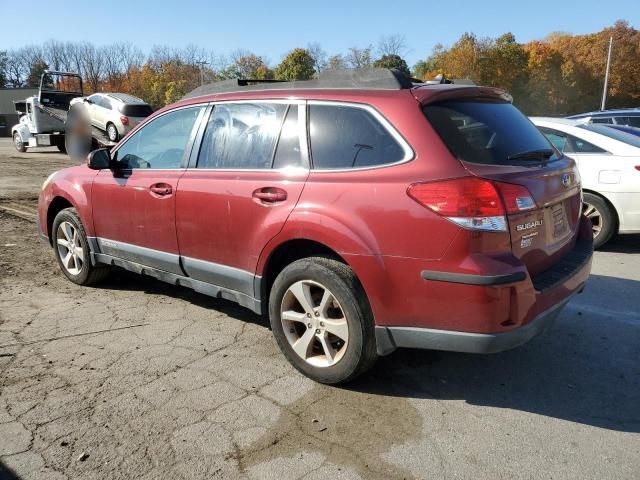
(558, 75)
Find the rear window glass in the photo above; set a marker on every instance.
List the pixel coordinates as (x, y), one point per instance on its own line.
(613, 133)
(136, 110)
(486, 132)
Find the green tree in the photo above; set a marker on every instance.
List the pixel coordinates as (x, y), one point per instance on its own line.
(35, 72)
(393, 61)
(297, 65)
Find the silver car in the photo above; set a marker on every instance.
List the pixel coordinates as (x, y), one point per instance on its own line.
(115, 113)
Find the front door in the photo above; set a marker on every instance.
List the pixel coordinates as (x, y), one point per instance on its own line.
(134, 202)
(243, 183)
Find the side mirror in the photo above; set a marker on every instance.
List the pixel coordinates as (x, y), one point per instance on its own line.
(86, 100)
(99, 159)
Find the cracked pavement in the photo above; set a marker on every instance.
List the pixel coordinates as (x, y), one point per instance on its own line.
(133, 378)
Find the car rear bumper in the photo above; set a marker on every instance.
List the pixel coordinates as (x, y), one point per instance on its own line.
(390, 338)
(487, 313)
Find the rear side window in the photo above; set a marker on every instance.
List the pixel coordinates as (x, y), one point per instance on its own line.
(485, 132)
(614, 133)
(602, 120)
(139, 110)
(633, 121)
(241, 136)
(350, 137)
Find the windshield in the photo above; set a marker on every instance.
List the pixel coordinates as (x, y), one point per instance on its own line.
(619, 135)
(489, 132)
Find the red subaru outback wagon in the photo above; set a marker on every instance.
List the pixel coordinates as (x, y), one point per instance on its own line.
(360, 211)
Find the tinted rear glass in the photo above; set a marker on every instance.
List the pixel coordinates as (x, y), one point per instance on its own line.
(136, 110)
(613, 133)
(485, 132)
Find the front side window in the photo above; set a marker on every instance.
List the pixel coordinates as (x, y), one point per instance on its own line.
(160, 144)
(345, 136)
(241, 136)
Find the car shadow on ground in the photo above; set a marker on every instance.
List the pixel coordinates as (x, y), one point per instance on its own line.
(584, 369)
(622, 244)
(6, 473)
(127, 281)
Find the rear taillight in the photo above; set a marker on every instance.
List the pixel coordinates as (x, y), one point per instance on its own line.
(473, 202)
(638, 167)
(124, 120)
(516, 198)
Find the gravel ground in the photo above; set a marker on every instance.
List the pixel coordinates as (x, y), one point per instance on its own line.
(137, 379)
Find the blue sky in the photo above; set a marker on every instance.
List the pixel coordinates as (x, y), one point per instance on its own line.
(271, 28)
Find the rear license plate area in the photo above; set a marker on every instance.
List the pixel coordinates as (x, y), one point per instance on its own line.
(557, 223)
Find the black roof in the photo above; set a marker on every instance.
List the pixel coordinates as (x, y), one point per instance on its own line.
(363, 78)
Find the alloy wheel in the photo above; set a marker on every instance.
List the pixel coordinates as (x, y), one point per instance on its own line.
(70, 248)
(112, 133)
(314, 323)
(591, 212)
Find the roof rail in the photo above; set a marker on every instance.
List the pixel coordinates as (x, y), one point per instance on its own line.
(441, 79)
(361, 78)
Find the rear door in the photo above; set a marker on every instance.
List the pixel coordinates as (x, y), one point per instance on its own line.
(242, 184)
(494, 140)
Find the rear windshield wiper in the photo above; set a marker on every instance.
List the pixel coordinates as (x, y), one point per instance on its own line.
(541, 154)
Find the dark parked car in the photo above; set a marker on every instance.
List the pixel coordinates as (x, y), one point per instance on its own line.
(622, 116)
(360, 212)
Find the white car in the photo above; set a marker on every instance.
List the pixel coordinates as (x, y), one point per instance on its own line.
(115, 113)
(609, 164)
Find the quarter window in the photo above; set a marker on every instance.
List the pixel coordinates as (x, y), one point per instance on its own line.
(350, 137)
(160, 144)
(241, 136)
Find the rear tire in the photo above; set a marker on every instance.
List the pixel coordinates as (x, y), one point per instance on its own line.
(18, 143)
(112, 132)
(602, 217)
(71, 249)
(312, 336)
(62, 148)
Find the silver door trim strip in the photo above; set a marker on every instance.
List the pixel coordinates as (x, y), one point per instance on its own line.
(210, 278)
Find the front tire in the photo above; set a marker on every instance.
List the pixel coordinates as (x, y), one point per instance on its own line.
(18, 143)
(71, 249)
(602, 217)
(322, 321)
(112, 132)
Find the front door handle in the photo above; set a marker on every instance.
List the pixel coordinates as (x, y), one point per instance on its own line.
(161, 189)
(270, 195)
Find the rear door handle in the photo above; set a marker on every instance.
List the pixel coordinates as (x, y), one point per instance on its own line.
(161, 189)
(270, 195)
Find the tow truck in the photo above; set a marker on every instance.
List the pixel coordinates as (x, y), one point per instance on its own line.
(48, 119)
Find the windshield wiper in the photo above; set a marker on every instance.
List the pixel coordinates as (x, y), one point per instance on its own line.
(541, 154)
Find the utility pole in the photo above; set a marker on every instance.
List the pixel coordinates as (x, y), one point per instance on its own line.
(202, 63)
(606, 76)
